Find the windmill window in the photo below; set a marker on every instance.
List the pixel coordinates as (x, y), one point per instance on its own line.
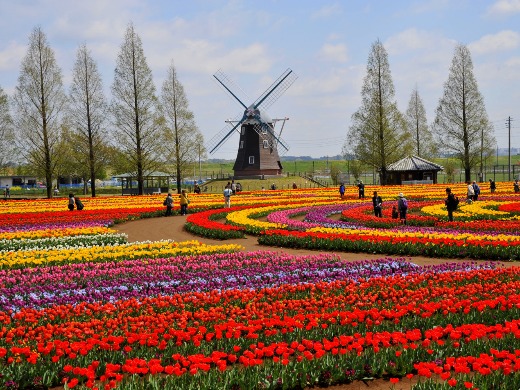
(241, 144)
(266, 144)
(251, 159)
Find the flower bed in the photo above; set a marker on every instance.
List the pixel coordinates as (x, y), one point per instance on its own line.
(299, 334)
(186, 315)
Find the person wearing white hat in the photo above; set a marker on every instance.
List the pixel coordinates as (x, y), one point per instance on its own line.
(402, 207)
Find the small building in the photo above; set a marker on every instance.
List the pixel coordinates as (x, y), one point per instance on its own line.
(413, 170)
(154, 183)
(19, 181)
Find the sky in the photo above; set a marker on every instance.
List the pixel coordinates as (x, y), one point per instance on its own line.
(325, 43)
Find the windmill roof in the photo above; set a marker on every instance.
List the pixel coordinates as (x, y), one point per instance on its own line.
(414, 163)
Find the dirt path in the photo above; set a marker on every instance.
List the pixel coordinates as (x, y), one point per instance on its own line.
(172, 228)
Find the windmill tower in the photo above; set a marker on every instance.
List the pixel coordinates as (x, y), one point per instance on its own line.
(258, 146)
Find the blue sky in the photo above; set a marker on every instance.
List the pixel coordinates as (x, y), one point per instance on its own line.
(326, 43)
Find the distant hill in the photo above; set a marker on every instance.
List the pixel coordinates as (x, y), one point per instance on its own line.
(286, 158)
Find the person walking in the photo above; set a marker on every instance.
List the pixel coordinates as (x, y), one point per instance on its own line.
(227, 196)
(471, 193)
(361, 189)
(233, 187)
(516, 186)
(294, 186)
(451, 203)
(72, 202)
(342, 190)
(476, 190)
(168, 202)
(402, 207)
(7, 192)
(377, 202)
(184, 201)
(492, 185)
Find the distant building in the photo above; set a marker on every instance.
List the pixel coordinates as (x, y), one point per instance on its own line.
(413, 170)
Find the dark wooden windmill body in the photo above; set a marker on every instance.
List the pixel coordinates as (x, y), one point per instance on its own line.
(258, 146)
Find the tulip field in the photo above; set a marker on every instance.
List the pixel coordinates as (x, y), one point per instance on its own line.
(81, 307)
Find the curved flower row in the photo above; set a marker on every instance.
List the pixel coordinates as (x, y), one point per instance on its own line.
(63, 242)
(49, 256)
(140, 278)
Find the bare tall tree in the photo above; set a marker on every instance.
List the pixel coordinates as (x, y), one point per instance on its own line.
(417, 126)
(87, 114)
(377, 135)
(39, 101)
(6, 131)
(185, 142)
(135, 108)
(461, 124)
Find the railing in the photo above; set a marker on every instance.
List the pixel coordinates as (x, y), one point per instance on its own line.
(405, 182)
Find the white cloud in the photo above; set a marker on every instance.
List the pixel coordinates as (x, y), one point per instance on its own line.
(501, 41)
(413, 39)
(11, 57)
(327, 11)
(336, 53)
(504, 8)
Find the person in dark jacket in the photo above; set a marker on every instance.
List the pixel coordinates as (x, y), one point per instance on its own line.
(377, 202)
(79, 203)
(451, 203)
(402, 207)
(361, 190)
(492, 185)
(72, 201)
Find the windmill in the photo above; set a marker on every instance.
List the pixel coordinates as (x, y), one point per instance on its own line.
(259, 144)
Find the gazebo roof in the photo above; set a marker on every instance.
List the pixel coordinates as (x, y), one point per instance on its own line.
(145, 174)
(414, 163)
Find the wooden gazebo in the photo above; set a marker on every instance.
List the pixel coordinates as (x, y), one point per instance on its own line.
(413, 170)
(154, 183)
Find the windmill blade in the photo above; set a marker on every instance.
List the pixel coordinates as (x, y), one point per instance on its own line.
(276, 90)
(265, 131)
(222, 136)
(227, 83)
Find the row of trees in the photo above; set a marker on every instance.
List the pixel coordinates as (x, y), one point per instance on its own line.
(381, 135)
(80, 133)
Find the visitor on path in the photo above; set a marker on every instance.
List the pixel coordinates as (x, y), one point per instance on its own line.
(233, 187)
(7, 192)
(402, 207)
(72, 202)
(184, 202)
(471, 193)
(79, 203)
(516, 186)
(377, 202)
(227, 196)
(342, 190)
(361, 189)
(168, 202)
(273, 186)
(451, 203)
(294, 186)
(196, 189)
(476, 189)
(492, 185)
